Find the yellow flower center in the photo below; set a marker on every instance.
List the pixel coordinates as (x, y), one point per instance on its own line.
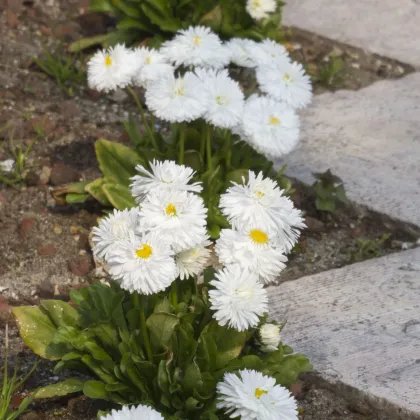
(148, 60)
(260, 392)
(221, 100)
(170, 210)
(179, 91)
(256, 3)
(259, 194)
(197, 40)
(258, 236)
(287, 78)
(145, 251)
(274, 120)
(108, 61)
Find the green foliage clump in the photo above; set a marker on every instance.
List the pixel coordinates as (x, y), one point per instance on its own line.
(369, 248)
(10, 386)
(148, 350)
(160, 19)
(329, 190)
(64, 68)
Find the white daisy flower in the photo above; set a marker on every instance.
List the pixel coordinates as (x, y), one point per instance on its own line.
(152, 65)
(286, 82)
(143, 263)
(270, 337)
(271, 127)
(238, 299)
(250, 395)
(252, 249)
(196, 46)
(226, 99)
(164, 176)
(268, 52)
(178, 215)
(7, 165)
(240, 52)
(260, 9)
(177, 99)
(192, 261)
(133, 413)
(116, 227)
(260, 202)
(111, 69)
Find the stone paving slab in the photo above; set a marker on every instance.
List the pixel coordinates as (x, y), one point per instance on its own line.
(360, 326)
(371, 139)
(390, 28)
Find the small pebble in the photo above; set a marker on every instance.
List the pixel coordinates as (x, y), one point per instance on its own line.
(58, 230)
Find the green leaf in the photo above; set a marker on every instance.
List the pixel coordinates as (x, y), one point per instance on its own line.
(36, 329)
(163, 377)
(101, 6)
(325, 204)
(96, 191)
(69, 386)
(237, 176)
(85, 43)
(119, 196)
(76, 189)
(341, 194)
(229, 343)
(61, 313)
(95, 390)
(161, 327)
(290, 367)
(192, 378)
(130, 23)
(76, 198)
(192, 158)
(117, 162)
(165, 23)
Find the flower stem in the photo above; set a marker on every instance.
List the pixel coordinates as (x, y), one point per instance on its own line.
(143, 325)
(229, 150)
(143, 118)
(174, 293)
(181, 143)
(209, 132)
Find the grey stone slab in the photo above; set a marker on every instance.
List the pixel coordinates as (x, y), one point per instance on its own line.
(360, 326)
(371, 139)
(390, 28)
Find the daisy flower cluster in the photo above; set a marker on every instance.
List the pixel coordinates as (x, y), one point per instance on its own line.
(189, 78)
(164, 239)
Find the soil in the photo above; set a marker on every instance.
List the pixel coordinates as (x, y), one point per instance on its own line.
(44, 246)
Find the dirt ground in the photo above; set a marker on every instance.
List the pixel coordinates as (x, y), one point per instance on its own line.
(44, 246)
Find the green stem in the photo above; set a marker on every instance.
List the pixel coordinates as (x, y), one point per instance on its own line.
(181, 143)
(174, 293)
(143, 325)
(202, 147)
(229, 150)
(143, 117)
(209, 132)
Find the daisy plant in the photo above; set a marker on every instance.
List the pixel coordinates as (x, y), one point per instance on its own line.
(157, 20)
(166, 335)
(221, 108)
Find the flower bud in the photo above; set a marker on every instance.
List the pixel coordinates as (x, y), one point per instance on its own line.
(270, 337)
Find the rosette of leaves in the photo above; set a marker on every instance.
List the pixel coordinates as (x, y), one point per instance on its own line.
(102, 335)
(117, 164)
(160, 19)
